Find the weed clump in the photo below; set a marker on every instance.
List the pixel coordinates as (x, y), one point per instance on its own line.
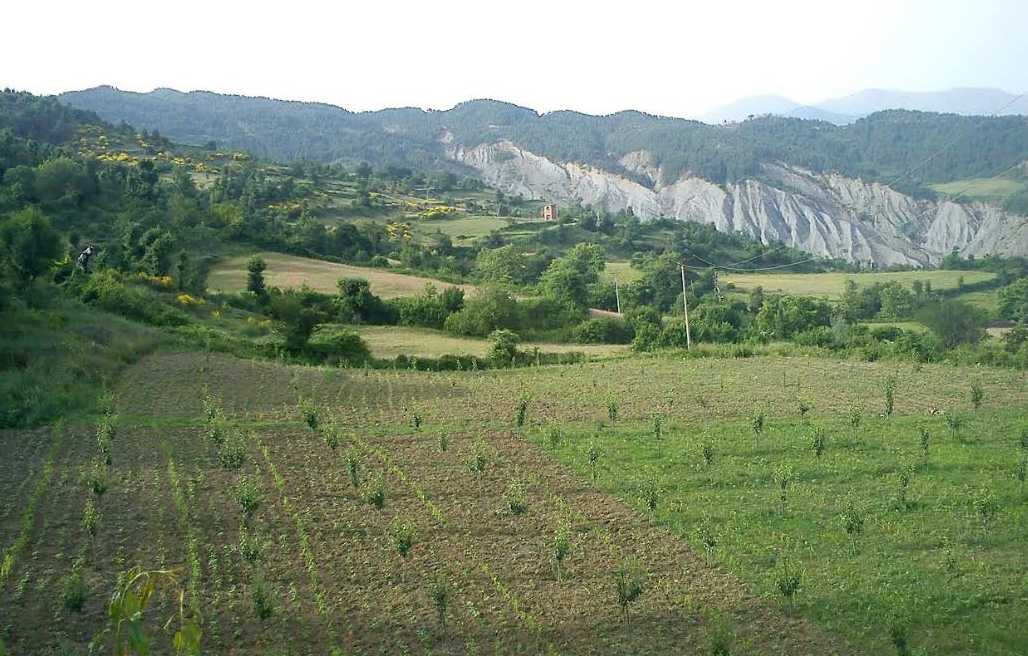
(516, 497)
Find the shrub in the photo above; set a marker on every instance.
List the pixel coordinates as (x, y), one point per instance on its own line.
(603, 331)
(561, 545)
(263, 604)
(954, 322)
(311, 414)
(248, 493)
(403, 535)
(106, 289)
(232, 451)
(629, 583)
(353, 466)
(612, 408)
(75, 590)
(339, 345)
(250, 547)
(977, 394)
(504, 350)
(889, 392)
(521, 411)
(439, 591)
(374, 492)
(516, 497)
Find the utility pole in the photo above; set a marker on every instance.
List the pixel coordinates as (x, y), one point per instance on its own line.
(685, 304)
(617, 294)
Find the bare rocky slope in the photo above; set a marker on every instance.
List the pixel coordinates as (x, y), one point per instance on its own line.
(826, 214)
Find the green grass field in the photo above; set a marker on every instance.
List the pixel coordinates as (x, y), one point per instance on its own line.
(285, 271)
(832, 285)
(461, 229)
(989, 190)
(391, 341)
(623, 271)
(934, 551)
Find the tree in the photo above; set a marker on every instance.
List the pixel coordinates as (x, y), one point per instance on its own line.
(568, 278)
(1013, 301)
(504, 348)
(255, 267)
(363, 170)
(954, 322)
(29, 243)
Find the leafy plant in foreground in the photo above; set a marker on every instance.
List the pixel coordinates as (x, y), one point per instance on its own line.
(90, 517)
(127, 613)
(331, 438)
(250, 547)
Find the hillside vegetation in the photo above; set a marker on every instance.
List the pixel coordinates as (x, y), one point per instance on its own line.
(906, 149)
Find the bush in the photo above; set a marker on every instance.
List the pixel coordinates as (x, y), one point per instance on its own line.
(603, 331)
(954, 322)
(106, 289)
(504, 350)
(492, 309)
(339, 344)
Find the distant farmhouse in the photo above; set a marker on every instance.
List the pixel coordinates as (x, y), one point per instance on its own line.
(549, 212)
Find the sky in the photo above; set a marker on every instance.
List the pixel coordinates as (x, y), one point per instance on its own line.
(675, 58)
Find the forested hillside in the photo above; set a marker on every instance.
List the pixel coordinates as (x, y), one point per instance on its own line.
(906, 149)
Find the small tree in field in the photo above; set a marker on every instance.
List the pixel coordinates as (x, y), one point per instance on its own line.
(977, 394)
(629, 582)
(889, 392)
(561, 545)
(440, 593)
(255, 267)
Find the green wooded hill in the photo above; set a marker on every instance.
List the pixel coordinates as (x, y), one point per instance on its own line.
(906, 149)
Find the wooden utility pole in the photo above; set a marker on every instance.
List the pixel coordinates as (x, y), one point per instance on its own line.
(685, 304)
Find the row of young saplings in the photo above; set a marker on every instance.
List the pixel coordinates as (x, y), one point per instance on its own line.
(629, 579)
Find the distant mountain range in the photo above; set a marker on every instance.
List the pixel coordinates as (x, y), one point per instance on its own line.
(863, 191)
(968, 101)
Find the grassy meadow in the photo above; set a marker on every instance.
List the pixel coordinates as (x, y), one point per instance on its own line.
(832, 285)
(390, 341)
(320, 510)
(987, 190)
(285, 271)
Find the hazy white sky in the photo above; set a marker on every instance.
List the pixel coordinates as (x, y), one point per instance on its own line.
(676, 58)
